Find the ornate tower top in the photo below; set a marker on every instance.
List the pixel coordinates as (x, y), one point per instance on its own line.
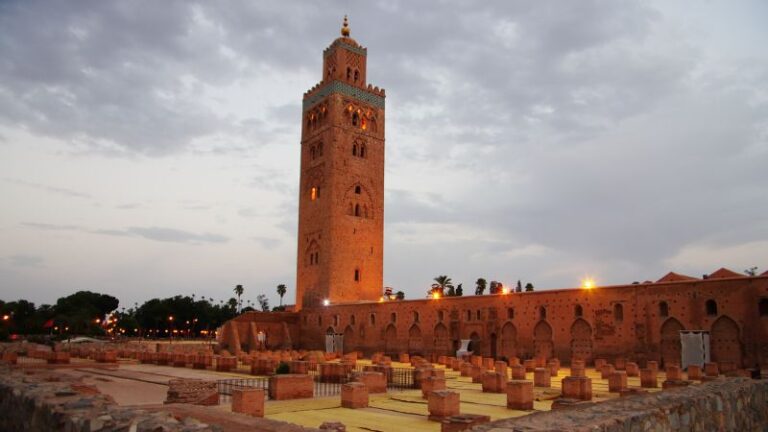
(345, 27)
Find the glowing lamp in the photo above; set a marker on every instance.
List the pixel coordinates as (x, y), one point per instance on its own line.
(326, 302)
(505, 290)
(6, 317)
(588, 283)
(435, 295)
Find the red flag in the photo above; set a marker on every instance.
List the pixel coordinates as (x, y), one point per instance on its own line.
(48, 324)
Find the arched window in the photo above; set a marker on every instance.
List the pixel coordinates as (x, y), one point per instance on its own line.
(663, 309)
(393, 317)
(578, 311)
(762, 307)
(415, 316)
(373, 319)
(349, 73)
(440, 315)
(469, 315)
(618, 312)
(357, 75)
(312, 153)
(317, 257)
(542, 313)
(362, 150)
(711, 307)
(510, 313)
(477, 313)
(357, 275)
(357, 189)
(354, 149)
(335, 320)
(314, 193)
(320, 149)
(357, 209)
(352, 319)
(355, 119)
(319, 320)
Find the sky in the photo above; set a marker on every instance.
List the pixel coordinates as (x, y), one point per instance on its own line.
(149, 149)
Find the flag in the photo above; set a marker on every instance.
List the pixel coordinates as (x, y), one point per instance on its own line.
(48, 324)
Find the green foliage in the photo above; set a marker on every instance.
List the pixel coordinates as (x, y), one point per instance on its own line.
(282, 369)
(459, 291)
(281, 290)
(400, 295)
(263, 302)
(528, 287)
(480, 285)
(441, 284)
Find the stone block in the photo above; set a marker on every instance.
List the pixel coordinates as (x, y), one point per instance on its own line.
(332, 427)
(179, 360)
(518, 372)
(541, 361)
(463, 422)
(354, 395)
(500, 367)
(632, 369)
(248, 401)
(600, 362)
(494, 382)
(106, 357)
(192, 391)
(554, 367)
(202, 361)
(694, 372)
(283, 387)
(711, 369)
(670, 384)
(298, 367)
(577, 387)
(404, 358)
(465, 369)
(476, 372)
(514, 361)
(648, 378)
(606, 371)
(674, 373)
(10, 357)
(520, 395)
(489, 363)
(577, 371)
(530, 365)
(620, 363)
(226, 363)
(431, 384)
(654, 365)
(443, 404)
(476, 360)
(617, 381)
(456, 364)
(163, 358)
(58, 357)
(542, 377)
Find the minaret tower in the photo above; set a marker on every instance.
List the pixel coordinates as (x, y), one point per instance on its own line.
(341, 191)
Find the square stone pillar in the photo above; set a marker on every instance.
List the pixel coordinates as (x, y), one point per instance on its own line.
(606, 371)
(494, 382)
(477, 374)
(542, 377)
(577, 387)
(465, 369)
(554, 367)
(354, 395)
(617, 381)
(476, 360)
(430, 384)
(620, 363)
(513, 361)
(632, 369)
(653, 365)
(248, 401)
(489, 363)
(599, 363)
(648, 378)
(577, 370)
(282, 387)
(711, 369)
(442, 404)
(500, 367)
(375, 382)
(404, 358)
(518, 372)
(694, 372)
(520, 395)
(530, 365)
(674, 373)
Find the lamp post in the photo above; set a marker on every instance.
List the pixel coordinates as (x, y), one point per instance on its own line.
(170, 330)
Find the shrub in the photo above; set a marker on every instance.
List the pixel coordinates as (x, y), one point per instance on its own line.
(283, 369)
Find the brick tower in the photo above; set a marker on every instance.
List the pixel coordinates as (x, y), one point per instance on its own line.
(341, 191)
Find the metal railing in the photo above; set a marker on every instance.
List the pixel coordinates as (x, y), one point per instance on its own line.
(226, 386)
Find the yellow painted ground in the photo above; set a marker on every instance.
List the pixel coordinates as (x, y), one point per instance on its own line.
(407, 411)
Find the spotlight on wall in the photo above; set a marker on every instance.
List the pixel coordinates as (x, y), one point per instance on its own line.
(326, 302)
(588, 283)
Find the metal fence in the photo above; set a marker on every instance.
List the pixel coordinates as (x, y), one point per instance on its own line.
(226, 386)
(398, 379)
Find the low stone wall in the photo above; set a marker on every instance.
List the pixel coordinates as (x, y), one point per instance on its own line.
(42, 403)
(726, 404)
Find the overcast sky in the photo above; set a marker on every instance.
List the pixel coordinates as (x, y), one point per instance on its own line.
(151, 148)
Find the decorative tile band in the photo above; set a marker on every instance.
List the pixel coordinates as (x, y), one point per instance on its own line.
(346, 90)
(342, 44)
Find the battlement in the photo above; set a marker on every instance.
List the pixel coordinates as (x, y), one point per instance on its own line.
(371, 94)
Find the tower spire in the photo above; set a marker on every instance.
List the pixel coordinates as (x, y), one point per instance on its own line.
(345, 27)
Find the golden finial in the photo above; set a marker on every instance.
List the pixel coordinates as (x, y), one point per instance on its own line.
(345, 27)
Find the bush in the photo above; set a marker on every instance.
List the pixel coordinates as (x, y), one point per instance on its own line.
(283, 369)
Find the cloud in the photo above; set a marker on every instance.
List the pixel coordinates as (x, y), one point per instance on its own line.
(52, 189)
(32, 261)
(160, 234)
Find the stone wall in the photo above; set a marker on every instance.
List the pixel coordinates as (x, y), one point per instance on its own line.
(42, 402)
(728, 404)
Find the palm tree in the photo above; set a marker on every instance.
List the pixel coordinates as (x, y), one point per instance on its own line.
(480, 286)
(239, 291)
(442, 283)
(281, 289)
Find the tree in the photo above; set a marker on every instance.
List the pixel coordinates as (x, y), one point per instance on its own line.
(263, 302)
(528, 287)
(451, 291)
(239, 292)
(442, 283)
(480, 286)
(400, 295)
(281, 289)
(752, 271)
(519, 287)
(459, 291)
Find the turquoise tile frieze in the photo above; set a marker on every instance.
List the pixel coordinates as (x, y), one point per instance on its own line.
(342, 44)
(345, 89)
